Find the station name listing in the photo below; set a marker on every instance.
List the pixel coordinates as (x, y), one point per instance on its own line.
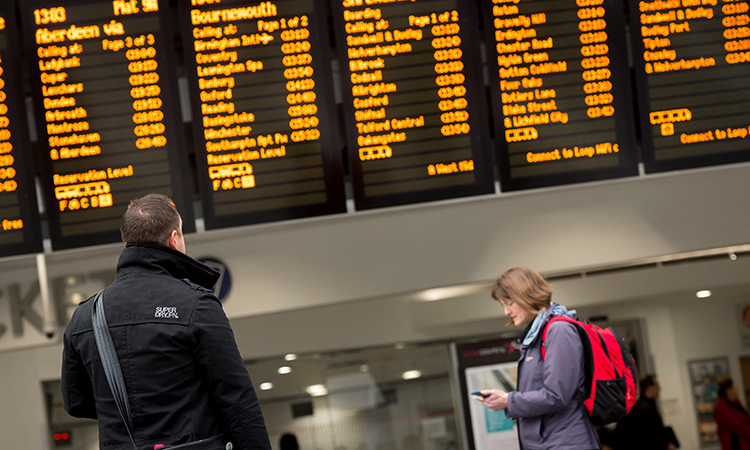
(407, 70)
(256, 80)
(371, 94)
(555, 89)
(107, 121)
(19, 225)
(524, 60)
(415, 112)
(70, 133)
(10, 220)
(230, 137)
(713, 119)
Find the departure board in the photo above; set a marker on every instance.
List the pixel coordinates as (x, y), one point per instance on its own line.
(263, 111)
(414, 100)
(561, 94)
(692, 71)
(108, 117)
(19, 220)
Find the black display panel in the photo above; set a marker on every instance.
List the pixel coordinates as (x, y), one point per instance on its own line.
(561, 94)
(414, 103)
(692, 76)
(19, 218)
(107, 112)
(263, 111)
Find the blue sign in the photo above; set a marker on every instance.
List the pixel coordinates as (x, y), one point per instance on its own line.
(224, 284)
(496, 421)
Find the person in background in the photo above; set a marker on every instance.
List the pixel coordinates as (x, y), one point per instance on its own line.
(731, 418)
(643, 428)
(549, 401)
(184, 376)
(605, 437)
(288, 442)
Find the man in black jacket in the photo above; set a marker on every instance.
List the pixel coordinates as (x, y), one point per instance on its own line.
(184, 375)
(643, 428)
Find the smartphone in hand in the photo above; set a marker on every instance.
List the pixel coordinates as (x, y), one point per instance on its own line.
(479, 396)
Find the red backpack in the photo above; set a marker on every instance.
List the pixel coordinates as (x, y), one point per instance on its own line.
(611, 377)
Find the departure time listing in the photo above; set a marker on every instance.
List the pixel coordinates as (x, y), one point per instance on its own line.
(106, 121)
(694, 57)
(10, 214)
(411, 100)
(19, 228)
(555, 89)
(258, 79)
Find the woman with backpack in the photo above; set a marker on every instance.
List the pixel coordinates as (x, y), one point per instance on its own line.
(549, 399)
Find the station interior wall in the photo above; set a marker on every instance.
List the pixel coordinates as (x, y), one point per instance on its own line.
(349, 281)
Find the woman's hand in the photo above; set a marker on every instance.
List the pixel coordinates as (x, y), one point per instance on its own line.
(497, 400)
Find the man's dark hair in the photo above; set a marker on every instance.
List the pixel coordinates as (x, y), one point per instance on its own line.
(646, 382)
(288, 442)
(150, 220)
(725, 383)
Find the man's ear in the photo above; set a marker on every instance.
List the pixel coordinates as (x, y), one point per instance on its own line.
(172, 240)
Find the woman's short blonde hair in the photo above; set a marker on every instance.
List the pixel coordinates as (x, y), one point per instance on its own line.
(524, 286)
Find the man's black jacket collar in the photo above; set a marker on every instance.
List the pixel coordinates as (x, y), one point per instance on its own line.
(153, 258)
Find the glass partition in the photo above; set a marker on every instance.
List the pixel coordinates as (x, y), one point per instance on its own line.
(388, 398)
(392, 398)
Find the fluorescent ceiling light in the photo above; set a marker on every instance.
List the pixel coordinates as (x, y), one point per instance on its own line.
(266, 386)
(317, 390)
(285, 370)
(431, 295)
(703, 294)
(411, 374)
(290, 357)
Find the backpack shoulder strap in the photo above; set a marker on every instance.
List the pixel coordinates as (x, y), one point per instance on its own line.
(111, 363)
(546, 328)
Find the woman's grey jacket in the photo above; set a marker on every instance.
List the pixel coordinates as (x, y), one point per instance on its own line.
(549, 401)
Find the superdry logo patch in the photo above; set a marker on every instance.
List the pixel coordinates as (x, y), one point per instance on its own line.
(166, 312)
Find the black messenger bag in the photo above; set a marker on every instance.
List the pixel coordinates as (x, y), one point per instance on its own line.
(116, 382)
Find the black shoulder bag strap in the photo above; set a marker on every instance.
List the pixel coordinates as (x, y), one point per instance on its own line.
(111, 363)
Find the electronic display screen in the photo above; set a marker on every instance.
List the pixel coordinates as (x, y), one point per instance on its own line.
(263, 111)
(19, 219)
(414, 100)
(107, 112)
(561, 96)
(692, 71)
